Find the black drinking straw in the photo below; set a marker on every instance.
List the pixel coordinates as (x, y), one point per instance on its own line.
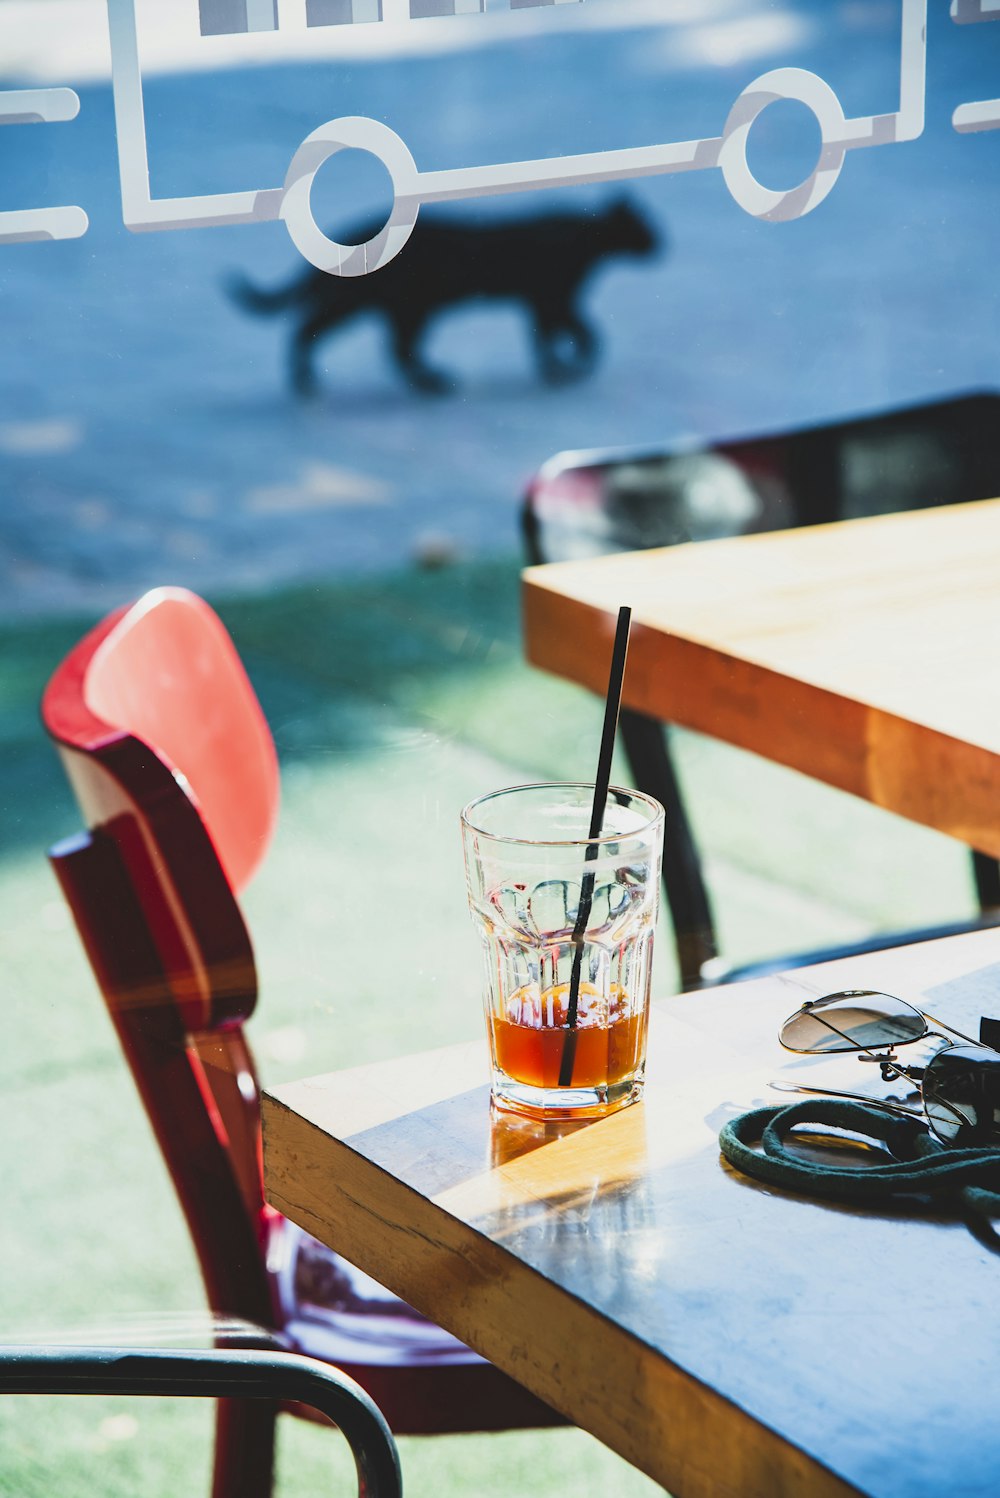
(611, 707)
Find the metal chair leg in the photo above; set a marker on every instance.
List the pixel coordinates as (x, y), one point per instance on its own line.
(986, 872)
(646, 745)
(245, 1432)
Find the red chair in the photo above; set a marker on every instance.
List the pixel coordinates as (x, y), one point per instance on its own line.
(175, 773)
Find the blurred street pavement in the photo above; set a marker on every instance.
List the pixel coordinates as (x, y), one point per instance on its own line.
(147, 429)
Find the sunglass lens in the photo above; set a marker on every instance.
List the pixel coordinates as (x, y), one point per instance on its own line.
(961, 1090)
(854, 1020)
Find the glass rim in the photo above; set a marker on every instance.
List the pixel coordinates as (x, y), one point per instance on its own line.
(656, 815)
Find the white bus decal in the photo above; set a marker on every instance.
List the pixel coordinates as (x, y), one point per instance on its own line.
(984, 115)
(40, 106)
(230, 17)
(412, 187)
(227, 17)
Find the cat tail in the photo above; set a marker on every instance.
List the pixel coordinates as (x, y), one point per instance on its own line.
(253, 298)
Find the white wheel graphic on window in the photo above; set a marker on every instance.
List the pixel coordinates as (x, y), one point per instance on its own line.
(358, 134)
(791, 202)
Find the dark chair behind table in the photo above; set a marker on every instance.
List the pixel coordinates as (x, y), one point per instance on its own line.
(584, 504)
(216, 1373)
(174, 769)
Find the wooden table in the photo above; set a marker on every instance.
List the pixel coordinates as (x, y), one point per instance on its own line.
(866, 653)
(731, 1341)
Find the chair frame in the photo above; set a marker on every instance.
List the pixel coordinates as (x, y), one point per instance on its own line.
(218, 1373)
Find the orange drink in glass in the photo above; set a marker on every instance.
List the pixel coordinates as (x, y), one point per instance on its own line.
(566, 923)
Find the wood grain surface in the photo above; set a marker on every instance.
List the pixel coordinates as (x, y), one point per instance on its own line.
(732, 1341)
(864, 654)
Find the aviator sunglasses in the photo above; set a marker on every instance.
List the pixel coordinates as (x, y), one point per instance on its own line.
(959, 1086)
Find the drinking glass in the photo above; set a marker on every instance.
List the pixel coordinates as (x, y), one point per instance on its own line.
(567, 925)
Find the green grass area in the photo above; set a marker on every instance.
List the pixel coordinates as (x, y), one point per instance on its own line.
(392, 703)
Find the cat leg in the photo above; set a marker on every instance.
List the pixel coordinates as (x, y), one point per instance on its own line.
(566, 346)
(302, 371)
(419, 374)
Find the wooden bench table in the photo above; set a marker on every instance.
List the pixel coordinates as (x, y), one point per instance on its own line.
(865, 654)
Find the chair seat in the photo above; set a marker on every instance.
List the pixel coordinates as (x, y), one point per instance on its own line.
(423, 1379)
(333, 1311)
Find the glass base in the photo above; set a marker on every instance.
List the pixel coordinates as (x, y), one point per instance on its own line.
(563, 1102)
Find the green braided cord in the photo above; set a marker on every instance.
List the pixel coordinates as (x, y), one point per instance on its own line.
(967, 1178)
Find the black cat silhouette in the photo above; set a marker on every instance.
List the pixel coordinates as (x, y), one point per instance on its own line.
(541, 262)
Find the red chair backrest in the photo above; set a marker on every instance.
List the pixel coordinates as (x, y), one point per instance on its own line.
(175, 772)
(165, 672)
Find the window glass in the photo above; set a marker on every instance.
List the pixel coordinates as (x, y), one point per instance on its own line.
(298, 296)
